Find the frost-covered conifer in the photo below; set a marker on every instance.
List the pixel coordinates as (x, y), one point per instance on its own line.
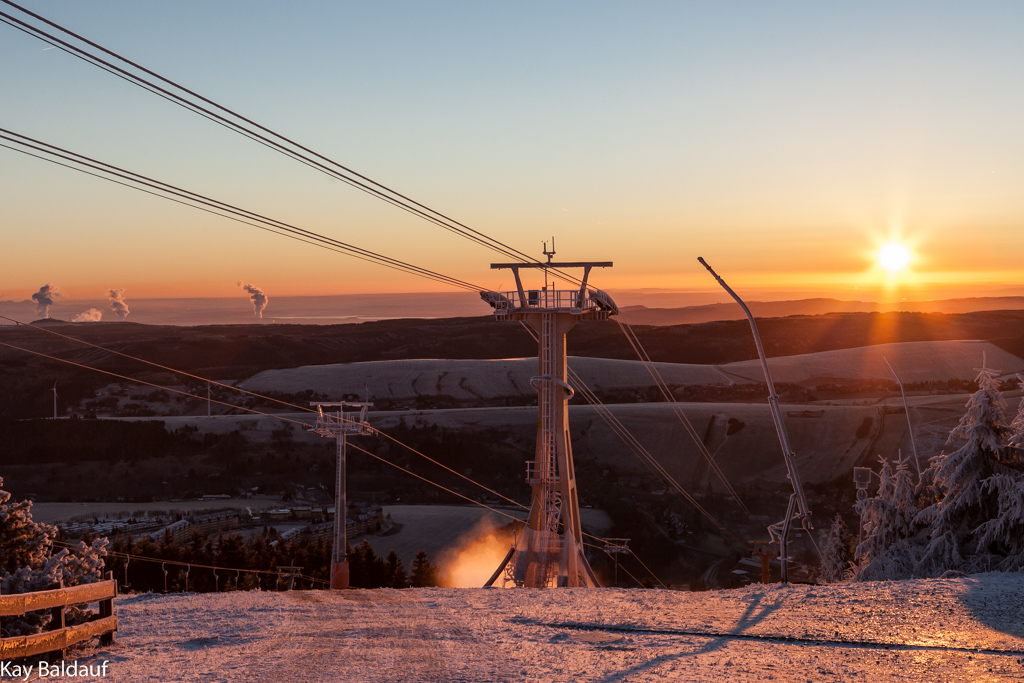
(1003, 536)
(964, 502)
(879, 518)
(28, 564)
(23, 542)
(891, 550)
(904, 500)
(1016, 440)
(835, 556)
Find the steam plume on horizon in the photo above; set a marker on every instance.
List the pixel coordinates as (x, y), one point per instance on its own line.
(93, 315)
(259, 299)
(44, 299)
(117, 304)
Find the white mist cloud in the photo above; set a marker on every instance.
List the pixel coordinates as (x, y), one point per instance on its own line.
(93, 315)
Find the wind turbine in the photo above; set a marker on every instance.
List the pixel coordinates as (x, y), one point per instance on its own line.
(54, 390)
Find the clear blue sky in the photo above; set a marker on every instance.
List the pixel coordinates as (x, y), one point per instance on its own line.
(783, 141)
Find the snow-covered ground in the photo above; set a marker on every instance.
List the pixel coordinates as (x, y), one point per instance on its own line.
(965, 629)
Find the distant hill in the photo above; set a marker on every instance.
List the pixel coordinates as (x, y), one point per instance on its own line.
(241, 351)
(642, 315)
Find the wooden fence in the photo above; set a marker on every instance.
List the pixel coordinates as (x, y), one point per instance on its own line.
(60, 637)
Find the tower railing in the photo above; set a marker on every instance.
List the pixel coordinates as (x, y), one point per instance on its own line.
(541, 299)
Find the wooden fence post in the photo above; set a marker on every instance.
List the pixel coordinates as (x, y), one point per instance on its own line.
(57, 621)
(107, 610)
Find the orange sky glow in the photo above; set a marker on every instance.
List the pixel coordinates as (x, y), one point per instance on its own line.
(784, 145)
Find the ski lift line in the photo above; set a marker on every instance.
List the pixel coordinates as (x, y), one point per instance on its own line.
(369, 186)
(456, 493)
(634, 444)
(688, 426)
(669, 398)
(604, 549)
(144, 558)
(223, 206)
(227, 386)
(191, 106)
(645, 567)
(273, 415)
(442, 465)
(678, 411)
(106, 66)
(155, 365)
(240, 215)
(184, 104)
(151, 384)
(644, 455)
(638, 581)
(639, 450)
(259, 227)
(444, 488)
(90, 59)
(434, 483)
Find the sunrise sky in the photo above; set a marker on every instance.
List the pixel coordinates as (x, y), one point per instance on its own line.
(785, 142)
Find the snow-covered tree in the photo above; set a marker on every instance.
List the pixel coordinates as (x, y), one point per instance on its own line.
(27, 563)
(889, 549)
(964, 502)
(836, 556)
(1002, 538)
(1016, 440)
(23, 542)
(878, 518)
(904, 500)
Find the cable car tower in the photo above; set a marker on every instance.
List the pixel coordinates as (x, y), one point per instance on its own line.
(340, 425)
(550, 550)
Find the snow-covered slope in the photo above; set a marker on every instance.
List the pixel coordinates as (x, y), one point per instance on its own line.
(966, 629)
(467, 380)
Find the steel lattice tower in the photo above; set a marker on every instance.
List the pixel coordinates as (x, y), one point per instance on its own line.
(335, 424)
(550, 550)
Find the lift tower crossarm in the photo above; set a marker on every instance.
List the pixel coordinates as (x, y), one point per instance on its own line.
(527, 301)
(797, 499)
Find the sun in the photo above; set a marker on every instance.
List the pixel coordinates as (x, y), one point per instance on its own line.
(894, 257)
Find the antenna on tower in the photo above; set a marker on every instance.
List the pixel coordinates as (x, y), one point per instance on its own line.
(551, 253)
